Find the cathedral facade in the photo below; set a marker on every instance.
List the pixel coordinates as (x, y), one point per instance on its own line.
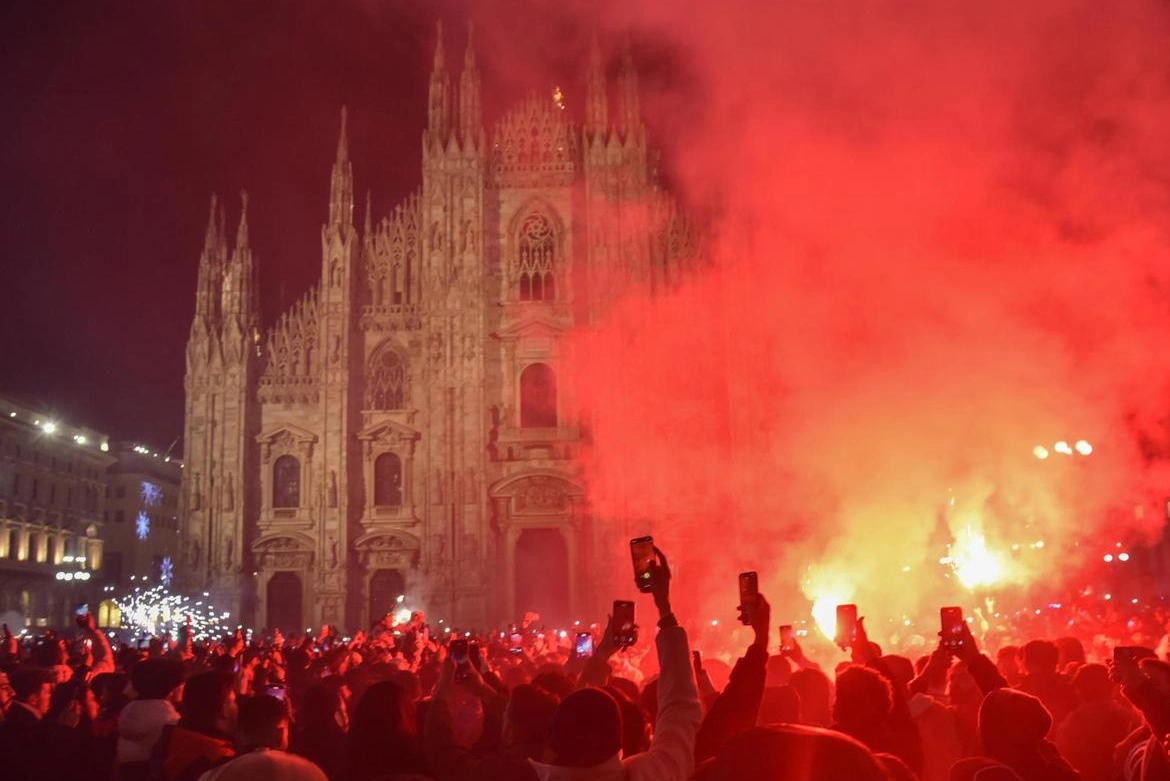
(410, 428)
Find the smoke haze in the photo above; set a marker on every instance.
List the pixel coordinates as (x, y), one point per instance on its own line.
(941, 241)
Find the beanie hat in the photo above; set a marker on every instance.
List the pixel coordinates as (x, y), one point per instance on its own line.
(1011, 721)
(586, 729)
(154, 679)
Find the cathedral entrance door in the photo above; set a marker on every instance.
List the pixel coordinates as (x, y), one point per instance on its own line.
(284, 603)
(542, 576)
(386, 585)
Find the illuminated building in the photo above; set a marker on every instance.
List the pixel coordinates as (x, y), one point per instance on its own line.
(52, 493)
(142, 514)
(411, 426)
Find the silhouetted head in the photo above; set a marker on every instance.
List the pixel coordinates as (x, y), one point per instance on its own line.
(863, 698)
(794, 752)
(586, 729)
(1040, 656)
(1012, 723)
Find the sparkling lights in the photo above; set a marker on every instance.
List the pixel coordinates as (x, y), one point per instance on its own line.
(156, 610)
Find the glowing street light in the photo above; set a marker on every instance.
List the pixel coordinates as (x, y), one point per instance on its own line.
(1040, 452)
(1063, 448)
(1083, 447)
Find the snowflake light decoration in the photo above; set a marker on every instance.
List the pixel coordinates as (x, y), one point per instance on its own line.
(151, 494)
(166, 571)
(142, 525)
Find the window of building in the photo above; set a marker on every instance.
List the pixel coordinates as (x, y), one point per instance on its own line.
(52, 493)
(16, 484)
(119, 516)
(536, 246)
(286, 483)
(388, 480)
(35, 485)
(538, 397)
(386, 381)
(120, 492)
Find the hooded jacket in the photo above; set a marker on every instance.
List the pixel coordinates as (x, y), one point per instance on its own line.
(139, 726)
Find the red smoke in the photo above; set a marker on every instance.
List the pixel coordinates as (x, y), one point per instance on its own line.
(942, 242)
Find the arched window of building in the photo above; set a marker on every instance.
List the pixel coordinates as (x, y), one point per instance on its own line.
(536, 259)
(538, 397)
(386, 381)
(286, 482)
(388, 480)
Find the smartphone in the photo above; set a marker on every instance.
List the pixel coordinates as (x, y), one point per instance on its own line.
(583, 648)
(786, 637)
(473, 654)
(749, 594)
(642, 553)
(625, 632)
(516, 643)
(276, 691)
(81, 610)
(846, 632)
(951, 622)
(458, 651)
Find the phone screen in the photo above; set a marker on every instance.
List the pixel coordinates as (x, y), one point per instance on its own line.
(584, 645)
(951, 623)
(642, 553)
(786, 637)
(473, 653)
(516, 643)
(846, 625)
(276, 691)
(81, 610)
(749, 592)
(459, 652)
(625, 633)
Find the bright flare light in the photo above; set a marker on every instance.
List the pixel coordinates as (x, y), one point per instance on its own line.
(1063, 448)
(824, 610)
(1083, 447)
(49, 427)
(973, 563)
(1040, 452)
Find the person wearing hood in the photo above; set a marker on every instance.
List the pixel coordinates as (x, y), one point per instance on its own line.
(158, 683)
(1012, 729)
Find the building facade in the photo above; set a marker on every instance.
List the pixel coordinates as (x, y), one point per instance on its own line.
(410, 427)
(52, 496)
(141, 529)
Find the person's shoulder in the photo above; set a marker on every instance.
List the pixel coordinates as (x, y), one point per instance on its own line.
(262, 764)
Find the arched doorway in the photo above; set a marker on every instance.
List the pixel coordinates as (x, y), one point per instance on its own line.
(284, 603)
(542, 576)
(386, 585)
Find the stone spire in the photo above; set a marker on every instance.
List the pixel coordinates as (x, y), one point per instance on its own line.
(242, 230)
(239, 279)
(368, 228)
(210, 269)
(470, 116)
(597, 100)
(341, 189)
(439, 97)
(631, 111)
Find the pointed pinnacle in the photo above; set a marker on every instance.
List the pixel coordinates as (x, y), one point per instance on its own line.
(343, 139)
(210, 239)
(369, 211)
(242, 232)
(469, 54)
(440, 57)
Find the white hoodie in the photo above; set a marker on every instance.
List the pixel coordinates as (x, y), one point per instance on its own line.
(139, 726)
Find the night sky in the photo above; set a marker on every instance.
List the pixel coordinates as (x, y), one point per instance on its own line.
(121, 118)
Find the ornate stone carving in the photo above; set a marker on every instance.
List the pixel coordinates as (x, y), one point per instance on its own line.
(541, 495)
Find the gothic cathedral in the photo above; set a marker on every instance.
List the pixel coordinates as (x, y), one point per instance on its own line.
(410, 427)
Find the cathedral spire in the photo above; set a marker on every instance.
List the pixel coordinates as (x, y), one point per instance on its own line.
(211, 238)
(369, 225)
(242, 231)
(341, 189)
(470, 120)
(439, 98)
(597, 106)
(631, 111)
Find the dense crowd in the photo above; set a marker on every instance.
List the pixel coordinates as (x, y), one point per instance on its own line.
(400, 702)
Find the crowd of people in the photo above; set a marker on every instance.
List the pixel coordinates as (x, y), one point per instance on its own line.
(400, 703)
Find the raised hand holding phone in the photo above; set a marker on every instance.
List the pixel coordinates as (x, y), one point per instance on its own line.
(642, 552)
(749, 593)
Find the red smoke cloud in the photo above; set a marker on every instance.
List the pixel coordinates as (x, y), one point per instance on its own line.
(942, 242)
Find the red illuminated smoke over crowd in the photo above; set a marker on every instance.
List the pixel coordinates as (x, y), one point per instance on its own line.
(941, 243)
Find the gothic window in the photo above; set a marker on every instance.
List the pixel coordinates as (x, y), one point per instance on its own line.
(386, 381)
(537, 253)
(388, 480)
(538, 397)
(286, 483)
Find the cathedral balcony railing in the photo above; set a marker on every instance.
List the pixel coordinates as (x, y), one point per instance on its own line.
(391, 317)
(538, 443)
